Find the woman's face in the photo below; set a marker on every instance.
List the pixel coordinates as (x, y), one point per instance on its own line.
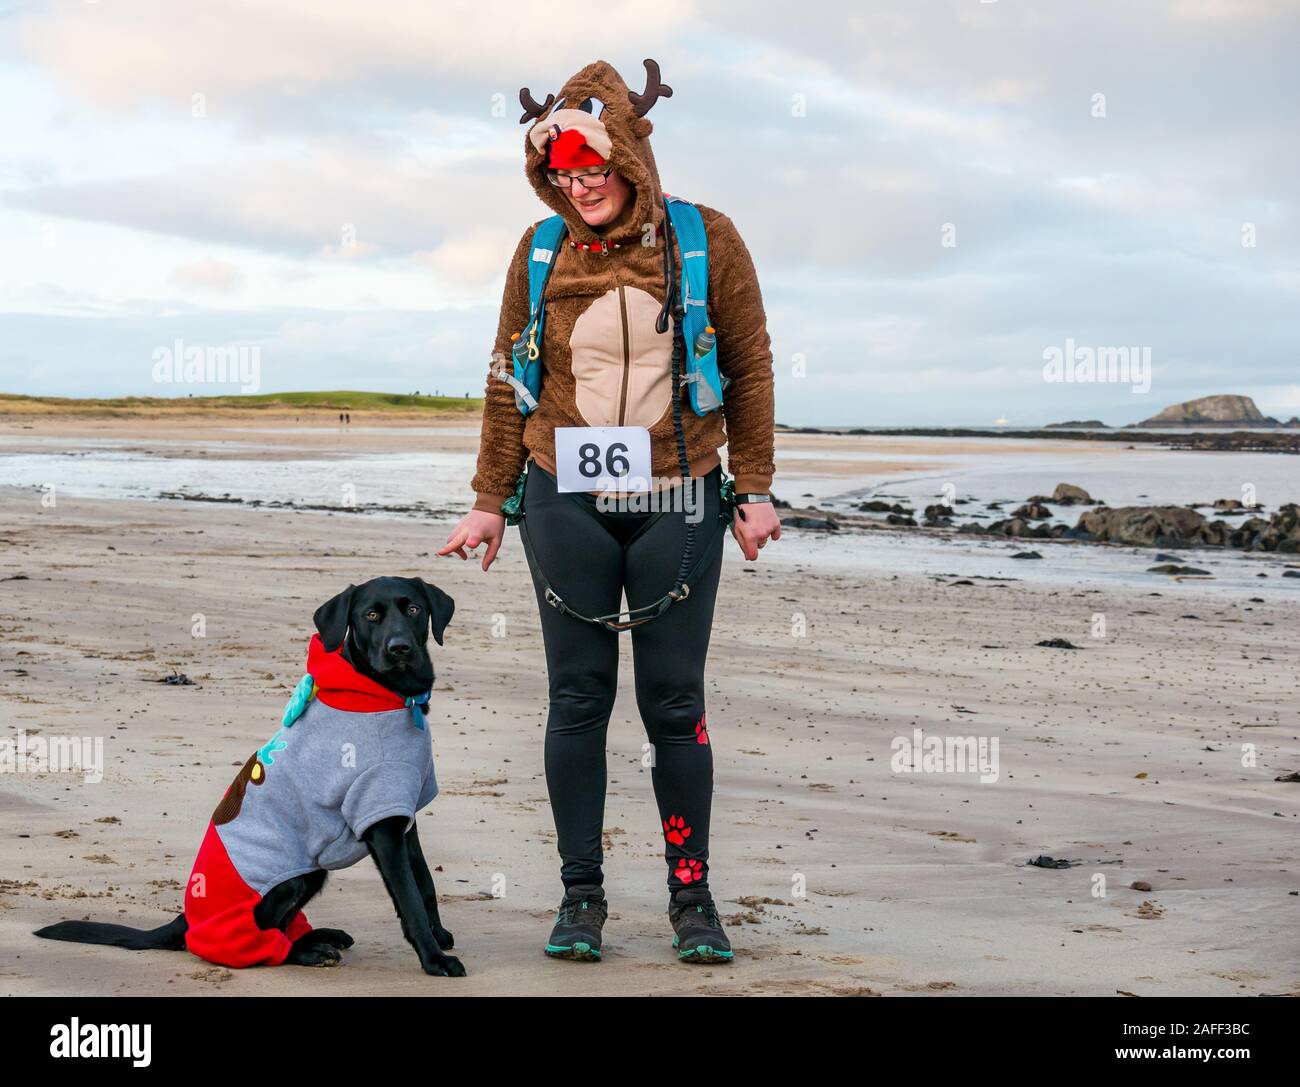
(600, 207)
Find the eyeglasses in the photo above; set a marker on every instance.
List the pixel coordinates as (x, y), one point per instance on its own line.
(589, 181)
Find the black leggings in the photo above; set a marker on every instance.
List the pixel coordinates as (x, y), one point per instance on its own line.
(589, 557)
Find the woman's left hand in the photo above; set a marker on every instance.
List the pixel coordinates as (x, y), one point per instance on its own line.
(754, 524)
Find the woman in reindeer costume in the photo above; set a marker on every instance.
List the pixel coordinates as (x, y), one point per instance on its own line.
(632, 344)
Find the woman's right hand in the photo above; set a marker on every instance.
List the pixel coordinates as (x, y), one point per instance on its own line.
(477, 527)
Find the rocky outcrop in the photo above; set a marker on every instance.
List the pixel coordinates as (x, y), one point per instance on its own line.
(1177, 526)
(877, 506)
(1146, 526)
(1019, 526)
(1078, 424)
(1067, 494)
(938, 515)
(1211, 411)
(1160, 526)
(1033, 510)
(817, 524)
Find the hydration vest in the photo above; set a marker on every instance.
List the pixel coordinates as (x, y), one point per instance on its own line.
(701, 371)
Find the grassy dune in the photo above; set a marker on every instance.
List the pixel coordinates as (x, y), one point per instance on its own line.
(269, 403)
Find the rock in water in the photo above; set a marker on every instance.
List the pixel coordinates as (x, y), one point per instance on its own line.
(817, 523)
(1033, 511)
(1183, 571)
(1211, 411)
(1067, 494)
(1146, 526)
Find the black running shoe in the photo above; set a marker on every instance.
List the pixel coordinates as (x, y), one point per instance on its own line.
(578, 923)
(699, 936)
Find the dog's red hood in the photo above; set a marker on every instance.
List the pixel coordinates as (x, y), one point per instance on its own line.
(342, 687)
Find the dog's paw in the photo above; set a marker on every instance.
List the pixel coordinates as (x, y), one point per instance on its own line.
(443, 938)
(320, 955)
(334, 937)
(447, 967)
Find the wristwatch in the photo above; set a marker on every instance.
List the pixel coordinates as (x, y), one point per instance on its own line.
(746, 499)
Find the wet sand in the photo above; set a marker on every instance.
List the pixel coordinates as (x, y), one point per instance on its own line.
(834, 873)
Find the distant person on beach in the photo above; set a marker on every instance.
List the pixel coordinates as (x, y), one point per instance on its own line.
(614, 353)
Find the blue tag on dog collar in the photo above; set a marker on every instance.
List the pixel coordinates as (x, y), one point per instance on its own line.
(419, 707)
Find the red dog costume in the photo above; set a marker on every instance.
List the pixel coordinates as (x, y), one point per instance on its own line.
(349, 754)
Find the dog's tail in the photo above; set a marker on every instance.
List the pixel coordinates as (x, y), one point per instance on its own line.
(168, 937)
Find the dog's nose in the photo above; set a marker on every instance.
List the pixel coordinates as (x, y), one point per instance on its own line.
(398, 647)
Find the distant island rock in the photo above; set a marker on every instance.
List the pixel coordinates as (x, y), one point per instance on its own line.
(1211, 411)
(1078, 424)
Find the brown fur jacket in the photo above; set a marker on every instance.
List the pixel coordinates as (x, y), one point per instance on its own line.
(603, 363)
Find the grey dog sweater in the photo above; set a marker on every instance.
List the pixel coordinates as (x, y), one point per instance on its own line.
(324, 780)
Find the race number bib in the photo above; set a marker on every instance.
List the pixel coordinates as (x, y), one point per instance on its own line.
(602, 458)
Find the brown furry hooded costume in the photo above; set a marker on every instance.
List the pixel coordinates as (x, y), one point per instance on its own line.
(603, 362)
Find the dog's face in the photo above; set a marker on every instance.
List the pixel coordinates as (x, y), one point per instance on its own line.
(384, 627)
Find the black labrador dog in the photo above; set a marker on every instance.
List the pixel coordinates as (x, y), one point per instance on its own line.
(383, 627)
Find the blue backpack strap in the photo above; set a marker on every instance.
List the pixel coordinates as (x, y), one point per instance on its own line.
(702, 374)
(527, 349)
(546, 239)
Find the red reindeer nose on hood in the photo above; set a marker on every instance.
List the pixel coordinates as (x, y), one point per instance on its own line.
(569, 150)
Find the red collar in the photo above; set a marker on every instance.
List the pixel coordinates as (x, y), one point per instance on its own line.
(342, 687)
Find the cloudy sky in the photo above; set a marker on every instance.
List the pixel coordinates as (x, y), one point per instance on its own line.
(936, 192)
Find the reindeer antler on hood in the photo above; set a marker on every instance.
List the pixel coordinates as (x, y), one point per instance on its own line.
(531, 109)
(654, 90)
(612, 121)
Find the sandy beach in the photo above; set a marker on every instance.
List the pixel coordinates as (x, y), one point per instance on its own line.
(835, 873)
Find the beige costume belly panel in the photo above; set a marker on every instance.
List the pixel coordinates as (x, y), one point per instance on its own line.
(622, 367)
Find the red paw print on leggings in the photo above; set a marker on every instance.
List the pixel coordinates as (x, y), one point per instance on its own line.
(702, 731)
(689, 871)
(676, 830)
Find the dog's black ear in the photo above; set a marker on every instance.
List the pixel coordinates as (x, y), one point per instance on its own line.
(441, 608)
(331, 619)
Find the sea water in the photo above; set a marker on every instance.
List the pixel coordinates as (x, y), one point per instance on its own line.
(434, 485)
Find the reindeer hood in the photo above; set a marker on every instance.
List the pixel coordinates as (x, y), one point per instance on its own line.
(597, 103)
